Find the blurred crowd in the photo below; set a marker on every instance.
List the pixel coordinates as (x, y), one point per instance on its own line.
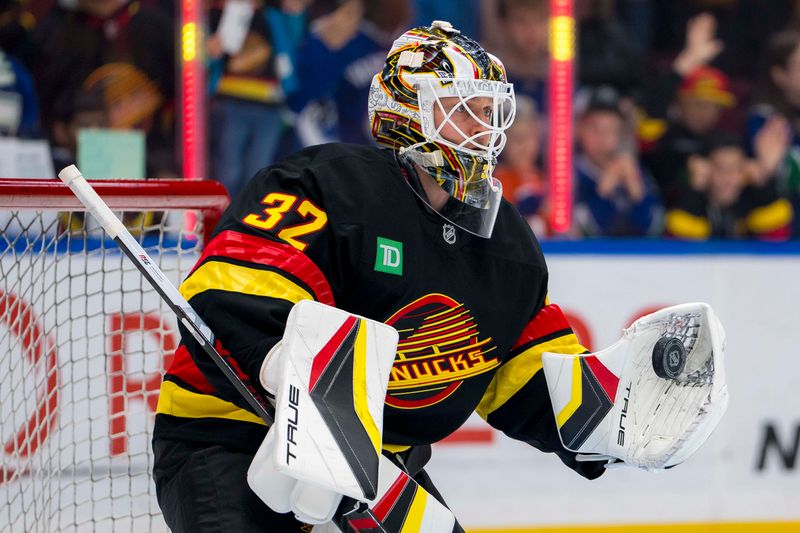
(686, 115)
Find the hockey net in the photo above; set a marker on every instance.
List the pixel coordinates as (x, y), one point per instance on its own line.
(83, 344)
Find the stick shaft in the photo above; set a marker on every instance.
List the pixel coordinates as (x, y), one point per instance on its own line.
(187, 316)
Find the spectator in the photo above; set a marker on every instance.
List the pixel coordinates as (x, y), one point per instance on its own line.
(16, 23)
(700, 48)
(521, 40)
(249, 100)
(335, 68)
(724, 201)
(614, 195)
(123, 48)
(288, 25)
(779, 96)
(684, 107)
(701, 98)
(743, 27)
(75, 111)
(19, 113)
(518, 171)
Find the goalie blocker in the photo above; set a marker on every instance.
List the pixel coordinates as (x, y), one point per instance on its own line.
(329, 375)
(651, 399)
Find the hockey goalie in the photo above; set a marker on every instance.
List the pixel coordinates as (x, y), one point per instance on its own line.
(380, 295)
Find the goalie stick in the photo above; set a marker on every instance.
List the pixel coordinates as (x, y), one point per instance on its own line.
(81, 188)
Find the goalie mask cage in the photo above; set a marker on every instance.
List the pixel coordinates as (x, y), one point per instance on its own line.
(84, 341)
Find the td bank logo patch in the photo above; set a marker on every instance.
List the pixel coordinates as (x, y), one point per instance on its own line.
(389, 257)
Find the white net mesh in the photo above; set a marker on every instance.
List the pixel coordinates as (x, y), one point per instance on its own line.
(83, 344)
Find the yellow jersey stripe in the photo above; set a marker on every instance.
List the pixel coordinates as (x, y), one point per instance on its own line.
(395, 448)
(770, 217)
(176, 401)
(513, 375)
(682, 224)
(249, 89)
(229, 277)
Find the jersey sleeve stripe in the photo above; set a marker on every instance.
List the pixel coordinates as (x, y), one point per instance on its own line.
(174, 400)
(186, 370)
(550, 319)
(524, 347)
(262, 251)
(230, 277)
(512, 376)
(681, 223)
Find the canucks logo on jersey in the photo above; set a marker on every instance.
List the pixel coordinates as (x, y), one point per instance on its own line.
(439, 347)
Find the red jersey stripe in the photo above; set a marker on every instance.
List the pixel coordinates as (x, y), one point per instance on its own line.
(548, 320)
(263, 251)
(183, 367)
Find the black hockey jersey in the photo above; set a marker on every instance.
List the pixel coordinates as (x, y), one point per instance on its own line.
(340, 224)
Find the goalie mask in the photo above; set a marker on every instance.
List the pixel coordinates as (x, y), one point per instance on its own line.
(443, 104)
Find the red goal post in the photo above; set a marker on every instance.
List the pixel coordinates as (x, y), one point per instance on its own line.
(83, 344)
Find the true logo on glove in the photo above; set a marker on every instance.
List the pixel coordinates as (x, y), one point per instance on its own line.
(623, 414)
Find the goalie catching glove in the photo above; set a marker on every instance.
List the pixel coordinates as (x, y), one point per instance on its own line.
(329, 375)
(651, 399)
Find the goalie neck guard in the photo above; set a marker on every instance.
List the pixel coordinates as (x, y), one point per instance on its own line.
(443, 105)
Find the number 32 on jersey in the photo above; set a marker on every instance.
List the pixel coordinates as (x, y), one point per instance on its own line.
(278, 205)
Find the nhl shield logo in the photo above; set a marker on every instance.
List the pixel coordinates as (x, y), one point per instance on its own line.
(449, 233)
